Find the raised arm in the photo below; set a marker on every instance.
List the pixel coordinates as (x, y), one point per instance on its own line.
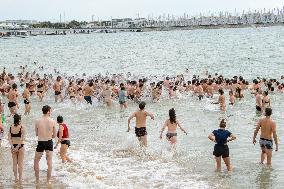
(255, 132)
(129, 119)
(275, 137)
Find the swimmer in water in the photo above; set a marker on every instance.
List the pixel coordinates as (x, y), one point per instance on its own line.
(122, 98)
(63, 138)
(26, 96)
(140, 128)
(172, 124)
(267, 126)
(221, 137)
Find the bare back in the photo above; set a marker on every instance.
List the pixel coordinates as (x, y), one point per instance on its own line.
(141, 116)
(45, 129)
(267, 126)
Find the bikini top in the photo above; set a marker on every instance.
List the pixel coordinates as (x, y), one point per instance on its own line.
(19, 134)
(39, 86)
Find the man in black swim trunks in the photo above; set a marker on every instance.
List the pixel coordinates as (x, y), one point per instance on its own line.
(45, 131)
(140, 128)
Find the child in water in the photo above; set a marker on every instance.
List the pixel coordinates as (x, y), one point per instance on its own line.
(172, 125)
(221, 137)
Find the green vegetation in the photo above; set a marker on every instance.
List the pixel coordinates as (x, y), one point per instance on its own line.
(73, 24)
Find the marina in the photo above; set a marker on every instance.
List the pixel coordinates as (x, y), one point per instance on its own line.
(165, 22)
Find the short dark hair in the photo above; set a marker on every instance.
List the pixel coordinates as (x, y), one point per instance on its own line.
(268, 111)
(142, 105)
(14, 86)
(45, 109)
(59, 119)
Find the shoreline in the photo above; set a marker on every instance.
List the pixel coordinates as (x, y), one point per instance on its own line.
(51, 31)
(205, 27)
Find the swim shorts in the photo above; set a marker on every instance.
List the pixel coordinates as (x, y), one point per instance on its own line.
(266, 143)
(221, 150)
(44, 145)
(140, 131)
(11, 104)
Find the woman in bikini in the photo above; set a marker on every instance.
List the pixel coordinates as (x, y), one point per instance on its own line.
(172, 124)
(16, 139)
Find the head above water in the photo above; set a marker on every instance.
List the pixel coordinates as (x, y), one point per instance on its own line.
(14, 86)
(268, 111)
(223, 124)
(172, 115)
(142, 105)
(46, 109)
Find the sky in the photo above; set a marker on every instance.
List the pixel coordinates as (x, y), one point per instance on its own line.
(43, 10)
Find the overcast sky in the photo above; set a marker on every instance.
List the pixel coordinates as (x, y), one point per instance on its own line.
(105, 9)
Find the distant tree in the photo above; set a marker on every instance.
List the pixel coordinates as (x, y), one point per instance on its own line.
(73, 24)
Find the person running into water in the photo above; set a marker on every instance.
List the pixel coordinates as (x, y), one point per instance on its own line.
(221, 100)
(63, 138)
(40, 90)
(16, 139)
(122, 98)
(258, 100)
(57, 89)
(267, 129)
(140, 128)
(13, 99)
(45, 131)
(88, 91)
(265, 100)
(221, 137)
(171, 124)
(27, 102)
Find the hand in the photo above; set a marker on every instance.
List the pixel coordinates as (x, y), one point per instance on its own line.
(185, 132)
(254, 141)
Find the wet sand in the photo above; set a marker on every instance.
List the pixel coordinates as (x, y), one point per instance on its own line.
(7, 176)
